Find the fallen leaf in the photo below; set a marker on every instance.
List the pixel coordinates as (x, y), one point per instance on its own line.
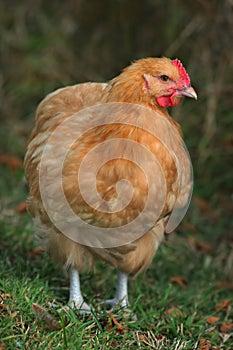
(226, 327)
(13, 162)
(174, 311)
(35, 252)
(40, 311)
(142, 337)
(188, 226)
(212, 319)
(224, 284)
(113, 344)
(180, 280)
(150, 339)
(201, 203)
(22, 207)
(160, 337)
(204, 208)
(113, 323)
(43, 315)
(204, 344)
(224, 305)
(199, 245)
(14, 314)
(3, 296)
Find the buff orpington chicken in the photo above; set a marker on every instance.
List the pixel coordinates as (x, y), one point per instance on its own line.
(108, 172)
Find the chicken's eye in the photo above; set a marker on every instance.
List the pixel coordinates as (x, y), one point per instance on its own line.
(164, 77)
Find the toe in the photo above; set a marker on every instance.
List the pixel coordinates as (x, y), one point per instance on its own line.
(82, 308)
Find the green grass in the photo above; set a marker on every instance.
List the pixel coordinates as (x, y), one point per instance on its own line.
(28, 278)
(46, 46)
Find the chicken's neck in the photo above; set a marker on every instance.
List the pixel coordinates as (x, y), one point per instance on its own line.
(124, 90)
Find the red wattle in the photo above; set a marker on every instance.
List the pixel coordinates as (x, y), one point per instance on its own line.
(164, 101)
(169, 101)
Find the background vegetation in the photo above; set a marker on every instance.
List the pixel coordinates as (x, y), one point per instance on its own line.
(46, 45)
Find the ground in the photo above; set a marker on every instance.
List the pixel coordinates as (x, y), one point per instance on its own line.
(182, 302)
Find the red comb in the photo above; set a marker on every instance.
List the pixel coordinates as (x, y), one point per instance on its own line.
(183, 74)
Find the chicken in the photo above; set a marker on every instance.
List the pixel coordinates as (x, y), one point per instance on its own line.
(108, 172)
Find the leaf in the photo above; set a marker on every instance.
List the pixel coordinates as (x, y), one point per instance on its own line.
(180, 280)
(14, 314)
(113, 344)
(35, 252)
(204, 344)
(141, 337)
(212, 319)
(173, 311)
(113, 323)
(3, 296)
(224, 284)
(226, 327)
(199, 245)
(188, 226)
(224, 305)
(22, 207)
(204, 208)
(150, 339)
(13, 162)
(201, 203)
(160, 337)
(43, 315)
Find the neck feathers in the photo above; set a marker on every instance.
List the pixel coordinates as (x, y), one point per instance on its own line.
(129, 87)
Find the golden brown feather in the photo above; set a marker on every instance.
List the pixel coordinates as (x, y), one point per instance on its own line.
(140, 83)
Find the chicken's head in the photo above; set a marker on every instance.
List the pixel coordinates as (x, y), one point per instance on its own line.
(166, 81)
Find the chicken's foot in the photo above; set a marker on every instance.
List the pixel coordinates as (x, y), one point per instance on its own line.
(121, 297)
(76, 300)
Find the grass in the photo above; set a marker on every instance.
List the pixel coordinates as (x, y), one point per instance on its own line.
(46, 46)
(169, 315)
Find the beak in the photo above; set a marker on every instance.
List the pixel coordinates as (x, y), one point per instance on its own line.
(189, 92)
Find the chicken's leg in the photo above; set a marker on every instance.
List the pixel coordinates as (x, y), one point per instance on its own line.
(121, 297)
(76, 300)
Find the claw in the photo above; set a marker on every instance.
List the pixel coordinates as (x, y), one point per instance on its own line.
(122, 304)
(114, 302)
(83, 308)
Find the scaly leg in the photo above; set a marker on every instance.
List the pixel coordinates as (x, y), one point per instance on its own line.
(121, 297)
(76, 300)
